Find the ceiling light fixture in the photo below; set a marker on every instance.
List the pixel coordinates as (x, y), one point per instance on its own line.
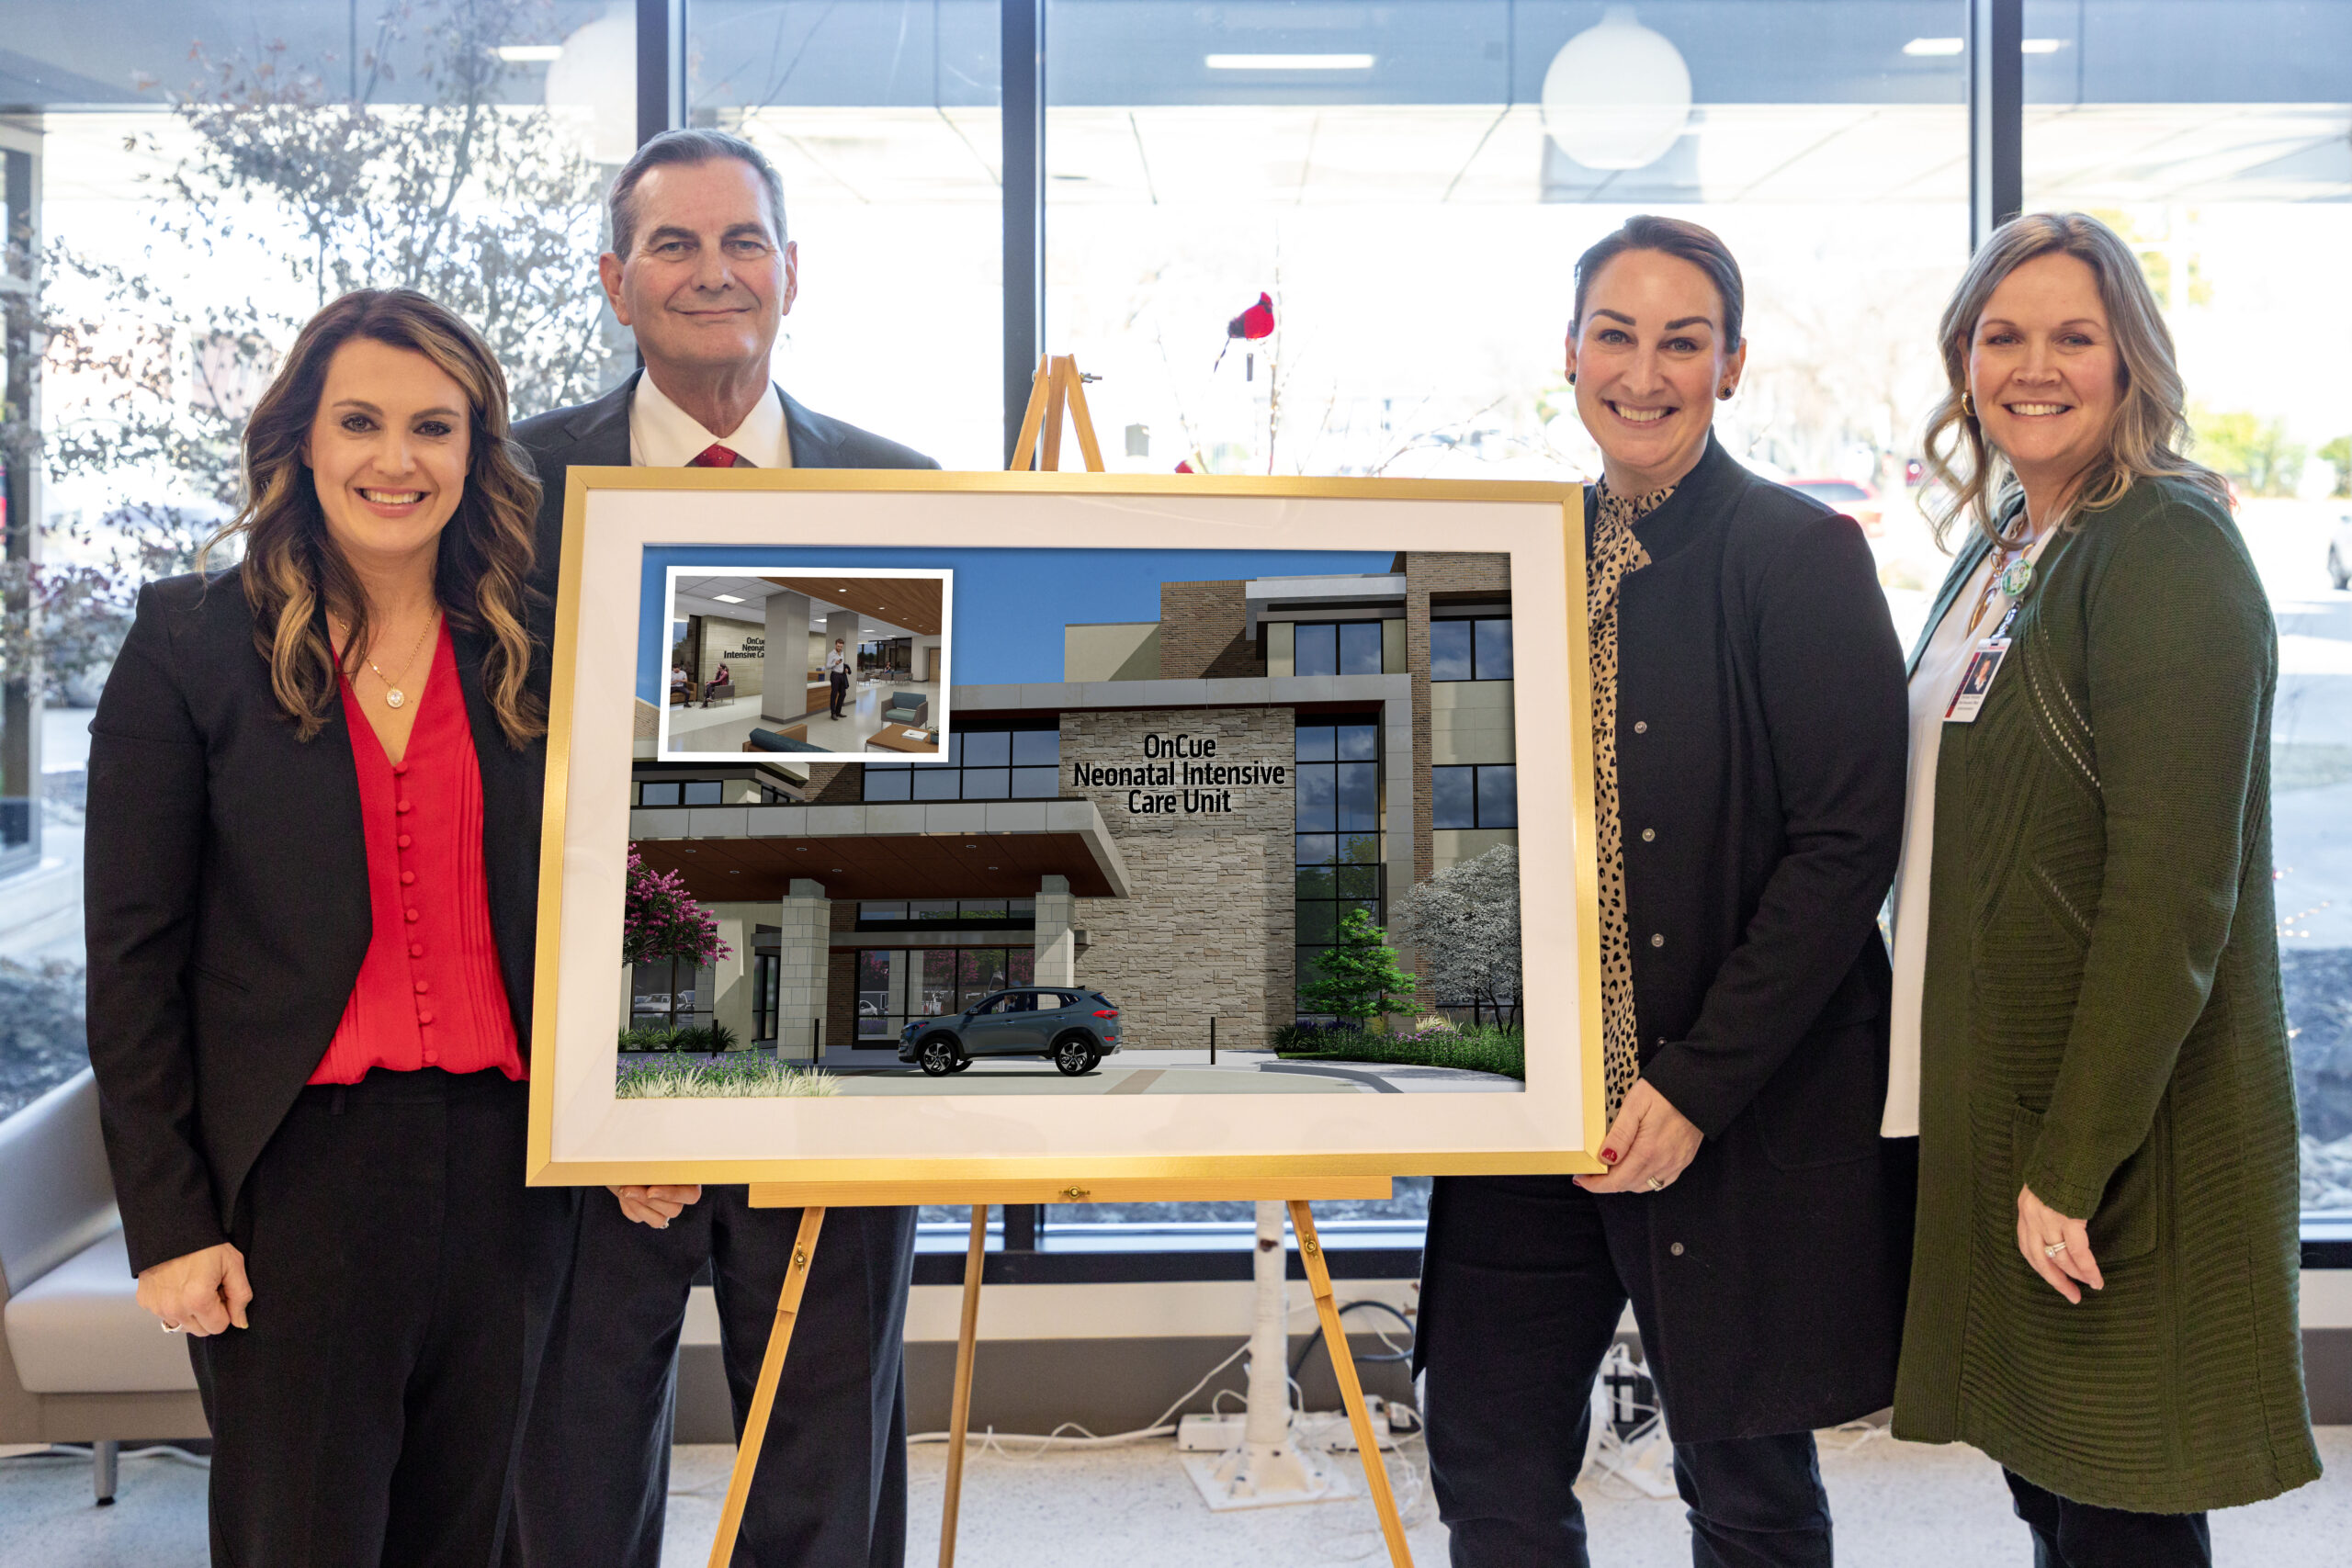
(1617, 95)
(1935, 46)
(2042, 46)
(727, 598)
(1290, 61)
(597, 70)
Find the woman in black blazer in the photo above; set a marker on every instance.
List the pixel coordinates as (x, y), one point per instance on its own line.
(313, 878)
(1748, 736)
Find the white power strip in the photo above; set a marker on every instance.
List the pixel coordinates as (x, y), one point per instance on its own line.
(1324, 1429)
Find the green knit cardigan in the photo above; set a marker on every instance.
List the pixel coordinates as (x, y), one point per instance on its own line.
(2102, 1023)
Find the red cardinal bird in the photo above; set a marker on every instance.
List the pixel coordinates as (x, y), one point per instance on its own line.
(1256, 322)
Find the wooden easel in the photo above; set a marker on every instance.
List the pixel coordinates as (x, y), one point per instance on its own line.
(1058, 387)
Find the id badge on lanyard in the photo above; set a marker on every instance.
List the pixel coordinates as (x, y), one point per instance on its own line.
(1976, 681)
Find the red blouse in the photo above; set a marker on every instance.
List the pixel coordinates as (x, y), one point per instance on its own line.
(429, 993)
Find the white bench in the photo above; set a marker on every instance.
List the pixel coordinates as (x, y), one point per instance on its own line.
(83, 1363)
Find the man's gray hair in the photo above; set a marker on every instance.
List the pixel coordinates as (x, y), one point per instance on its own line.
(688, 147)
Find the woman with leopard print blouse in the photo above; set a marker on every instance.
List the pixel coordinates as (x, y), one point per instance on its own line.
(1749, 744)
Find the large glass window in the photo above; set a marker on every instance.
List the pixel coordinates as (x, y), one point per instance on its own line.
(1336, 648)
(1482, 796)
(2214, 137)
(882, 118)
(1470, 649)
(981, 764)
(1337, 839)
(898, 984)
(1409, 192)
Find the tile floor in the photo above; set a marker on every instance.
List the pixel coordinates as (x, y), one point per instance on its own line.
(1896, 1504)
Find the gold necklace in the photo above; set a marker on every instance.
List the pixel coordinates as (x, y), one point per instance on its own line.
(393, 697)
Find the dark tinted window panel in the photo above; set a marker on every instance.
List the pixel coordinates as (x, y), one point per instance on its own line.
(1037, 747)
(1317, 649)
(894, 911)
(1453, 798)
(1316, 849)
(886, 783)
(1315, 882)
(1316, 742)
(1359, 742)
(937, 783)
(1449, 650)
(659, 795)
(988, 783)
(1315, 798)
(1358, 882)
(1036, 783)
(702, 792)
(1357, 806)
(955, 746)
(1359, 849)
(1360, 649)
(1317, 922)
(987, 749)
(1499, 797)
(1494, 650)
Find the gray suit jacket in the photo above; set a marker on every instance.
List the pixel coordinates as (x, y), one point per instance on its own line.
(595, 434)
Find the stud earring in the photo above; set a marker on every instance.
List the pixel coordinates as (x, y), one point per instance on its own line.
(1572, 377)
(1725, 393)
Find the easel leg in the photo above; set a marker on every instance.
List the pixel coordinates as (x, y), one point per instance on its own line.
(755, 1429)
(959, 1419)
(1343, 1367)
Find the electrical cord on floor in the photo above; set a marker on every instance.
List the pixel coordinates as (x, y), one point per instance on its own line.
(1392, 1355)
(991, 1440)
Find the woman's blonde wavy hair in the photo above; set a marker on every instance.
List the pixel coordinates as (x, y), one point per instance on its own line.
(294, 573)
(2151, 423)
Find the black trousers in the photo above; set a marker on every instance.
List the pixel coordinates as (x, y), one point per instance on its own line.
(840, 680)
(2067, 1534)
(1521, 1299)
(403, 1276)
(830, 1490)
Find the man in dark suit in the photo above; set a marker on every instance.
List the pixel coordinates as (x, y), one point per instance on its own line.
(702, 273)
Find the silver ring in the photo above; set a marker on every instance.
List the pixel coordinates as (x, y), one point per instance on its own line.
(1655, 1185)
(2054, 1249)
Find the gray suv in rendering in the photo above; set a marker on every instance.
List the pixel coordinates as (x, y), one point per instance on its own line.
(1072, 1028)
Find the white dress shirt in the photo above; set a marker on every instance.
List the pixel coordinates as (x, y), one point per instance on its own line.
(663, 436)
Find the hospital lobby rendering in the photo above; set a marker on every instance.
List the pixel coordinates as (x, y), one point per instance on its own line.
(1180, 824)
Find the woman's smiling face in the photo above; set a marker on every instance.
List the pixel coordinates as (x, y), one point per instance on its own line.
(1649, 363)
(2044, 373)
(388, 451)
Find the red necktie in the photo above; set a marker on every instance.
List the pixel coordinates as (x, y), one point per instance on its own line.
(717, 456)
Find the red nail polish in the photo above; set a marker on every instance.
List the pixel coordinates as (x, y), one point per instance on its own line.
(1609, 1156)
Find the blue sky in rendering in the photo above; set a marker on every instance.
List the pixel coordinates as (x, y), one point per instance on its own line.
(1010, 605)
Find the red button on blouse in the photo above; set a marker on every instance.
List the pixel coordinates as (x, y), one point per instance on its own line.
(427, 878)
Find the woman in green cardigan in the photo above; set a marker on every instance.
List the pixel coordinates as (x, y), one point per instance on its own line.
(2087, 1031)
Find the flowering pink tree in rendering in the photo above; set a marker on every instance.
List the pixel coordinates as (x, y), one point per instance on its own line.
(661, 919)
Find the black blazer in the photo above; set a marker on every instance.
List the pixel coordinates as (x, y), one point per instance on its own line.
(595, 434)
(226, 899)
(1762, 741)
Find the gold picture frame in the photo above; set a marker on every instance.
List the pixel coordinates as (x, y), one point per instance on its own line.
(846, 1150)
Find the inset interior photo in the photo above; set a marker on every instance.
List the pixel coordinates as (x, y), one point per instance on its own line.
(799, 666)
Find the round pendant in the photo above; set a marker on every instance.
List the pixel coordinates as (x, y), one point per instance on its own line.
(393, 697)
(2016, 578)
